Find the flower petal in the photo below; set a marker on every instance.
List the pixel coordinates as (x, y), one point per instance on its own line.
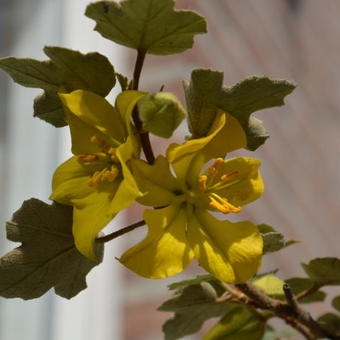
(230, 251)
(248, 182)
(90, 215)
(165, 250)
(70, 181)
(156, 181)
(95, 111)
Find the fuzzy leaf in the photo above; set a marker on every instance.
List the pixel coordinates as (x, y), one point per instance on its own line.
(192, 306)
(197, 280)
(331, 322)
(201, 96)
(148, 25)
(67, 70)
(161, 113)
(91, 71)
(323, 271)
(273, 240)
(300, 284)
(336, 303)
(48, 107)
(47, 257)
(238, 324)
(250, 95)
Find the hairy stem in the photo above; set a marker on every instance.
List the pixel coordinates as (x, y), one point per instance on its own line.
(144, 135)
(120, 232)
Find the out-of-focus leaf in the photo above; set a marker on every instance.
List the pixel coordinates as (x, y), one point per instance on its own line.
(336, 303)
(238, 324)
(151, 26)
(192, 306)
(330, 322)
(201, 96)
(47, 257)
(301, 284)
(270, 284)
(123, 81)
(323, 271)
(251, 95)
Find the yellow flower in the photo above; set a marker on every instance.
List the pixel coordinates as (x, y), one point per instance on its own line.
(181, 229)
(97, 181)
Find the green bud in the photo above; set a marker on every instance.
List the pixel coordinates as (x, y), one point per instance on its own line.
(161, 113)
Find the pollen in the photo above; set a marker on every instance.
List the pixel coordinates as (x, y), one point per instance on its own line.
(217, 164)
(103, 176)
(222, 205)
(113, 155)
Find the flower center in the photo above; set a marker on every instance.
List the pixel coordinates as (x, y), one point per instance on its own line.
(209, 185)
(108, 156)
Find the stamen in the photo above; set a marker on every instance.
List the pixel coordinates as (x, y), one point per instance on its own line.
(103, 176)
(214, 168)
(202, 181)
(113, 156)
(222, 204)
(87, 158)
(227, 177)
(101, 142)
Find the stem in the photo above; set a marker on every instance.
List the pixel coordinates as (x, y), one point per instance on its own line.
(144, 135)
(120, 232)
(290, 312)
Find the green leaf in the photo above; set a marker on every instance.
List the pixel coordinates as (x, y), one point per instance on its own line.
(197, 280)
(201, 96)
(47, 257)
(91, 71)
(161, 113)
(331, 322)
(250, 95)
(273, 240)
(67, 70)
(286, 334)
(32, 73)
(123, 81)
(238, 324)
(336, 303)
(48, 107)
(152, 26)
(192, 306)
(270, 284)
(301, 284)
(324, 271)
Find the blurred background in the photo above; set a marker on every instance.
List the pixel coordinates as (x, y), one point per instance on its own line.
(296, 40)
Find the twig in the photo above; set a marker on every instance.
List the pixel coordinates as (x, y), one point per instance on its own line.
(120, 232)
(144, 136)
(308, 292)
(290, 312)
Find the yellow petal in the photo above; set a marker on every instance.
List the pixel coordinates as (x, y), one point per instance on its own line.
(95, 111)
(230, 251)
(156, 182)
(231, 137)
(70, 181)
(248, 182)
(126, 101)
(90, 215)
(181, 156)
(128, 189)
(165, 251)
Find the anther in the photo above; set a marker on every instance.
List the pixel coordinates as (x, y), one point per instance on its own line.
(221, 204)
(226, 177)
(101, 142)
(214, 168)
(87, 158)
(202, 181)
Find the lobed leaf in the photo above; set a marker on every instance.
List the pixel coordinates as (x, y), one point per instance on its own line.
(47, 257)
(152, 26)
(331, 322)
(251, 95)
(336, 303)
(192, 305)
